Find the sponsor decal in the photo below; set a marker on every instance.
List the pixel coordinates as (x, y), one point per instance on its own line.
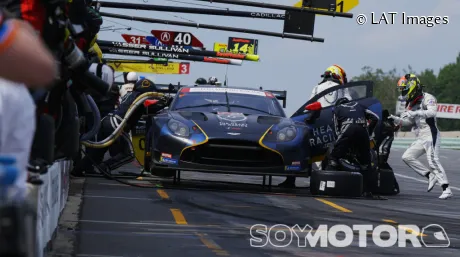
(233, 124)
(297, 163)
(166, 155)
(292, 167)
(231, 116)
(168, 160)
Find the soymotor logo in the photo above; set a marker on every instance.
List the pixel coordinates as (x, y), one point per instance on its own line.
(281, 235)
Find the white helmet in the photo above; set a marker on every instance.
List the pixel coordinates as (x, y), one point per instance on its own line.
(132, 77)
(212, 80)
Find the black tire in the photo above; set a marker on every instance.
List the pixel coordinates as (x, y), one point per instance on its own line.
(336, 183)
(386, 183)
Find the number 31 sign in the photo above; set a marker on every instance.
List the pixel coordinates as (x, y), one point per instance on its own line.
(242, 45)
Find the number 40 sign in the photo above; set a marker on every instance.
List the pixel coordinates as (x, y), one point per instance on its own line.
(242, 45)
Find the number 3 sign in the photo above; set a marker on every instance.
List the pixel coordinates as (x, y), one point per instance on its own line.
(184, 68)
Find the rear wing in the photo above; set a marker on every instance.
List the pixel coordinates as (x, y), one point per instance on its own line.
(280, 95)
(162, 88)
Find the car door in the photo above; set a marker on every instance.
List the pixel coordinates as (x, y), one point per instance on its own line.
(323, 131)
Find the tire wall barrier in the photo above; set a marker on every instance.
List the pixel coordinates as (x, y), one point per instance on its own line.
(50, 199)
(446, 142)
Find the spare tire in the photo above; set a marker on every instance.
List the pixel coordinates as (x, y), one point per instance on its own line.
(336, 183)
(386, 183)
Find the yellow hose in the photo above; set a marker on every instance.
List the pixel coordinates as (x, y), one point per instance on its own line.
(110, 139)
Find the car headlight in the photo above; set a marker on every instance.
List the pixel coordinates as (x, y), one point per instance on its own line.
(178, 128)
(286, 134)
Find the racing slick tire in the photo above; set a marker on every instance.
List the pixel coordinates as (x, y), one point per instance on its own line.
(386, 183)
(336, 183)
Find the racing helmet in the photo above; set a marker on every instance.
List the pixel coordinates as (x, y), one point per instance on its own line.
(201, 81)
(212, 80)
(341, 101)
(333, 73)
(132, 77)
(410, 87)
(344, 74)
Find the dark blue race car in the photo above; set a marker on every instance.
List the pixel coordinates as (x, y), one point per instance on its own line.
(242, 131)
(226, 130)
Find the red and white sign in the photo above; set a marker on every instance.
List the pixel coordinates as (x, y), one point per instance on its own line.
(449, 111)
(135, 39)
(446, 111)
(177, 38)
(184, 68)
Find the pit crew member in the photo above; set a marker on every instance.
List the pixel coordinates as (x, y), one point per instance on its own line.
(333, 76)
(110, 123)
(421, 110)
(353, 132)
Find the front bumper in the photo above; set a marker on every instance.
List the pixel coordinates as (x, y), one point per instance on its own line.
(228, 156)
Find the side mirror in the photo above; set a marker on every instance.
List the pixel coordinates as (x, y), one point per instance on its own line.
(315, 110)
(316, 106)
(150, 106)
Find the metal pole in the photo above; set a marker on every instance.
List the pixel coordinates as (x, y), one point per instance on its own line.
(248, 57)
(213, 27)
(280, 7)
(205, 11)
(147, 53)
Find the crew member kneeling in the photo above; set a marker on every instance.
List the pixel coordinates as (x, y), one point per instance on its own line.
(110, 123)
(353, 133)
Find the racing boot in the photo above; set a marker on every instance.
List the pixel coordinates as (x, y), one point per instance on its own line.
(447, 193)
(431, 181)
(332, 165)
(288, 183)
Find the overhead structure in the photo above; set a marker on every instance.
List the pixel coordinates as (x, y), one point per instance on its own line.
(213, 27)
(204, 11)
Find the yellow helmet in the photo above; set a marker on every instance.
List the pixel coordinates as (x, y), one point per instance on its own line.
(335, 72)
(409, 86)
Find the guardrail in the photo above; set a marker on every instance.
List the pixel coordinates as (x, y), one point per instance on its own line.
(446, 143)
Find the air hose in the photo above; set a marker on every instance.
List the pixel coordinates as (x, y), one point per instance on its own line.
(111, 139)
(96, 120)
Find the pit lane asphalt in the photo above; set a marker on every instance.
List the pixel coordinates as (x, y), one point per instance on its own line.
(118, 220)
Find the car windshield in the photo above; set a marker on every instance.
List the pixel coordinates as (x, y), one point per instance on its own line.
(227, 99)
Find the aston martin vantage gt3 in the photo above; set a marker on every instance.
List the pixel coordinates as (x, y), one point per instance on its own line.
(226, 130)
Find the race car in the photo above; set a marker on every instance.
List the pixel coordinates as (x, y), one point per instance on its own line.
(226, 130)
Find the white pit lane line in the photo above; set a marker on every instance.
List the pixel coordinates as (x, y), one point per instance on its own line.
(423, 181)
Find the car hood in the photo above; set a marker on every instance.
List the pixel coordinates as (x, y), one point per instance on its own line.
(229, 123)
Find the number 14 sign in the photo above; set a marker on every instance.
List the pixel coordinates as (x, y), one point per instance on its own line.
(243, 45)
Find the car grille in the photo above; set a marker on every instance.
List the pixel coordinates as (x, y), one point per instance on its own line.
(233, 153)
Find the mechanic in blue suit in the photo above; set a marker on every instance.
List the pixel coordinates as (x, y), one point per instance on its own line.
(353, 133)
(110, 123)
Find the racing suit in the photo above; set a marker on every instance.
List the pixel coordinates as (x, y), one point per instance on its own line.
(421, 115)
(350, 121)
(124, 90)
(332, 97)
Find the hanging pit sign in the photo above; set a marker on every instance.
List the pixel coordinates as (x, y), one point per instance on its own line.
(176, 38)
(243, 45)
(135, 39)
